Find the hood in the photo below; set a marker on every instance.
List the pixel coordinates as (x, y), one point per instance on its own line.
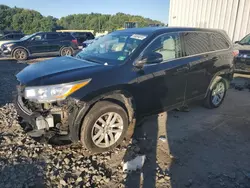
(61, 69)
(13, 41)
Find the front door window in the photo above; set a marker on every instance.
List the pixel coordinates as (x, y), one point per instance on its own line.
(167, 45)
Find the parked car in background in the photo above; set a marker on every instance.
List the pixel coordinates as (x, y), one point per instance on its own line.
(9, 37)
(95, 96)
(242, 61)
(83, 36)
(5, 32)
(88, 42)
(40, 44)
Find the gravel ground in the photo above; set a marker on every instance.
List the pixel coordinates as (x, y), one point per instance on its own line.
(8, 82)
(201, 148)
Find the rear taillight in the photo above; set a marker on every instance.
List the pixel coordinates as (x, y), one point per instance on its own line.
(235, 53)
(75, 41)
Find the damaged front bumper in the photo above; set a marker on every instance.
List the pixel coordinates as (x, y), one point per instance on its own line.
(49, 121)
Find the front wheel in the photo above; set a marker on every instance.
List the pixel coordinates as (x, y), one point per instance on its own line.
(216, 95)
(20, 54)
(104, 127)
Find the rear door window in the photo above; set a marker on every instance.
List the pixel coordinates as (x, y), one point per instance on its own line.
(219, 42)
(196, 43)
(66, 35)
(52, 36)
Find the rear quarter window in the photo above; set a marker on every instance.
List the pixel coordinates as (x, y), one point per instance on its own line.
(196, 43)
(90, 36)
(219, 42)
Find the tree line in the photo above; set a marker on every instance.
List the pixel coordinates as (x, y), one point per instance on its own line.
(30, 21)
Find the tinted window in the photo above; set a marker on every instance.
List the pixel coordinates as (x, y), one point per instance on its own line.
(9, 36)
(78, 34)
(196, 43)
(17, 36)
(83, 35)
(67, 35)
(90, 36)
(167, 45)
(218, 42)
(52, 36)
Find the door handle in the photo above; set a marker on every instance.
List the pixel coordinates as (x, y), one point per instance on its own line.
(182, 69)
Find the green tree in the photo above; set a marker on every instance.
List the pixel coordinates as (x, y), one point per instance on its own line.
(30, 21)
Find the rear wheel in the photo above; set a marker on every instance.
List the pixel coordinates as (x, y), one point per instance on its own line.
(20, 54)
(66, 51)
(104, 127)
(216, 95)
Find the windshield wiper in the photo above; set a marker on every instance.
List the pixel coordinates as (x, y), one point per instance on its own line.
(92, 60)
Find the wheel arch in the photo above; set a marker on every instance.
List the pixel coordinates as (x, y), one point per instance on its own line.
(226, 75)
(13, 50)
(121, 97)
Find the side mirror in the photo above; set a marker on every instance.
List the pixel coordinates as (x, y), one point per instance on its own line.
(236, 42)
(151, 58)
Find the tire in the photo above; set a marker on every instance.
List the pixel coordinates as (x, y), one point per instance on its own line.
(20, 54)
(66, 51)
(89, 133)
(208, 102)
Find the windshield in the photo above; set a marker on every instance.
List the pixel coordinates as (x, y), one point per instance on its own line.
(245, 40)
(27, 36)
(114, 48)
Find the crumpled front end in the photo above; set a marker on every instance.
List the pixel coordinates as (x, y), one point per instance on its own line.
(45, 120)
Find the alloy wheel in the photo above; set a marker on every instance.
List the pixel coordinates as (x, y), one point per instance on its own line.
(20, 54)
(66, 51)
(107, 130)
(218, 93)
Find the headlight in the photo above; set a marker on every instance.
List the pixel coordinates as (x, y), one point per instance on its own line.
(53, 93)
(8, 45)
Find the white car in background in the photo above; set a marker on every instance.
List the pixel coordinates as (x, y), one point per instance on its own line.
(10, 37)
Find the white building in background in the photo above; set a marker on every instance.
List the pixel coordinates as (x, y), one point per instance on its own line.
(233, 16)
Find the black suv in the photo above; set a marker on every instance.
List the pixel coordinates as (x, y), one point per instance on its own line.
(39, 44)
(95, 96)
(242, 60)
